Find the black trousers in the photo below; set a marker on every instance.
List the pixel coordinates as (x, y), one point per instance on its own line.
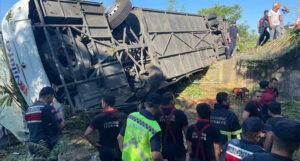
(110, 154)
(173, 152)
(263, 38)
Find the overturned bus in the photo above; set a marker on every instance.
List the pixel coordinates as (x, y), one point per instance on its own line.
(84, 51)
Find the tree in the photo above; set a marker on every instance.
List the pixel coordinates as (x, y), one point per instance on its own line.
(171, 5)
(248, 38)
(231, 13)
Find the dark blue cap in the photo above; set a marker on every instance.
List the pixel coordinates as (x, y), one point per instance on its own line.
(153, 98)
(287, 130)
(254, 124)
(47, 91)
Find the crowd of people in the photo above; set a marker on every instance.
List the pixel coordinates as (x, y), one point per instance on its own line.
(270, 27)
(160, 132)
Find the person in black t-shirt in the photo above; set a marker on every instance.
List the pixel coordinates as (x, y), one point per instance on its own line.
(274, 110)
(203, 139)
(108, 123)
(233, 37)
(224, 119)
(173, 123)
(254, 107)
(236, 149)
(286, 141)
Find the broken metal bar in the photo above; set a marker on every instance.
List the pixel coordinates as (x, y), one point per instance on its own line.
(58, 67)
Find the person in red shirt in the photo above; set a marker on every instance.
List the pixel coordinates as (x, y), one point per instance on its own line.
(108, 123)
(269, 95)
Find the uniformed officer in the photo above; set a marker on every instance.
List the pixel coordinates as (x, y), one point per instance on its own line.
(140, 137)
(224, 119)
(108, 123)
(43, 122)
(263, 26)
(203, 139)
(237, 149)
(173, 123)
(286, 141)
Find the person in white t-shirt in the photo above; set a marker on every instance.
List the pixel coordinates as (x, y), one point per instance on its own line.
(275, 19)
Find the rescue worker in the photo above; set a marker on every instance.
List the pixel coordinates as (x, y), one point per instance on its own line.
(224, 119)
(286, 141)
(173, 123)
(237, 149)
(203, 139)
(263, 26)
(108, 123)
(43, 122)
(140, 137)
(254, 107)
(233, 37)
(274, 110)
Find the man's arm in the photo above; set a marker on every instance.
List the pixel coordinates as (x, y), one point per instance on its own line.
(121, 136)
(286, 9)
(270, 22)
(189, 146)
(120, 141)
(246, 114)
(228, 37)
(155, 143)
(217, 150)
(268, 141)
(280, 18)
(234, 122)
(88, 137)
(238, 36)
(157, 156)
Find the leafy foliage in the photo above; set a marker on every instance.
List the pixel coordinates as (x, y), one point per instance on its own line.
(248, 39)
(171, 5)
(231, 13)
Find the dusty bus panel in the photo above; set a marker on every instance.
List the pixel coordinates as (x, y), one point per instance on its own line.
(84, 52)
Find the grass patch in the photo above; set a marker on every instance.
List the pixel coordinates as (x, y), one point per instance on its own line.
(193, 91)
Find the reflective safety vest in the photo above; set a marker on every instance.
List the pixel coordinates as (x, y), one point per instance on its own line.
(138, 132)
(229, 134)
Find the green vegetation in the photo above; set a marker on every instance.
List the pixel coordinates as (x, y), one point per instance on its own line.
(234, 13)
(231, 13)
(193, 91)
(172, 6)
(248, 39)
